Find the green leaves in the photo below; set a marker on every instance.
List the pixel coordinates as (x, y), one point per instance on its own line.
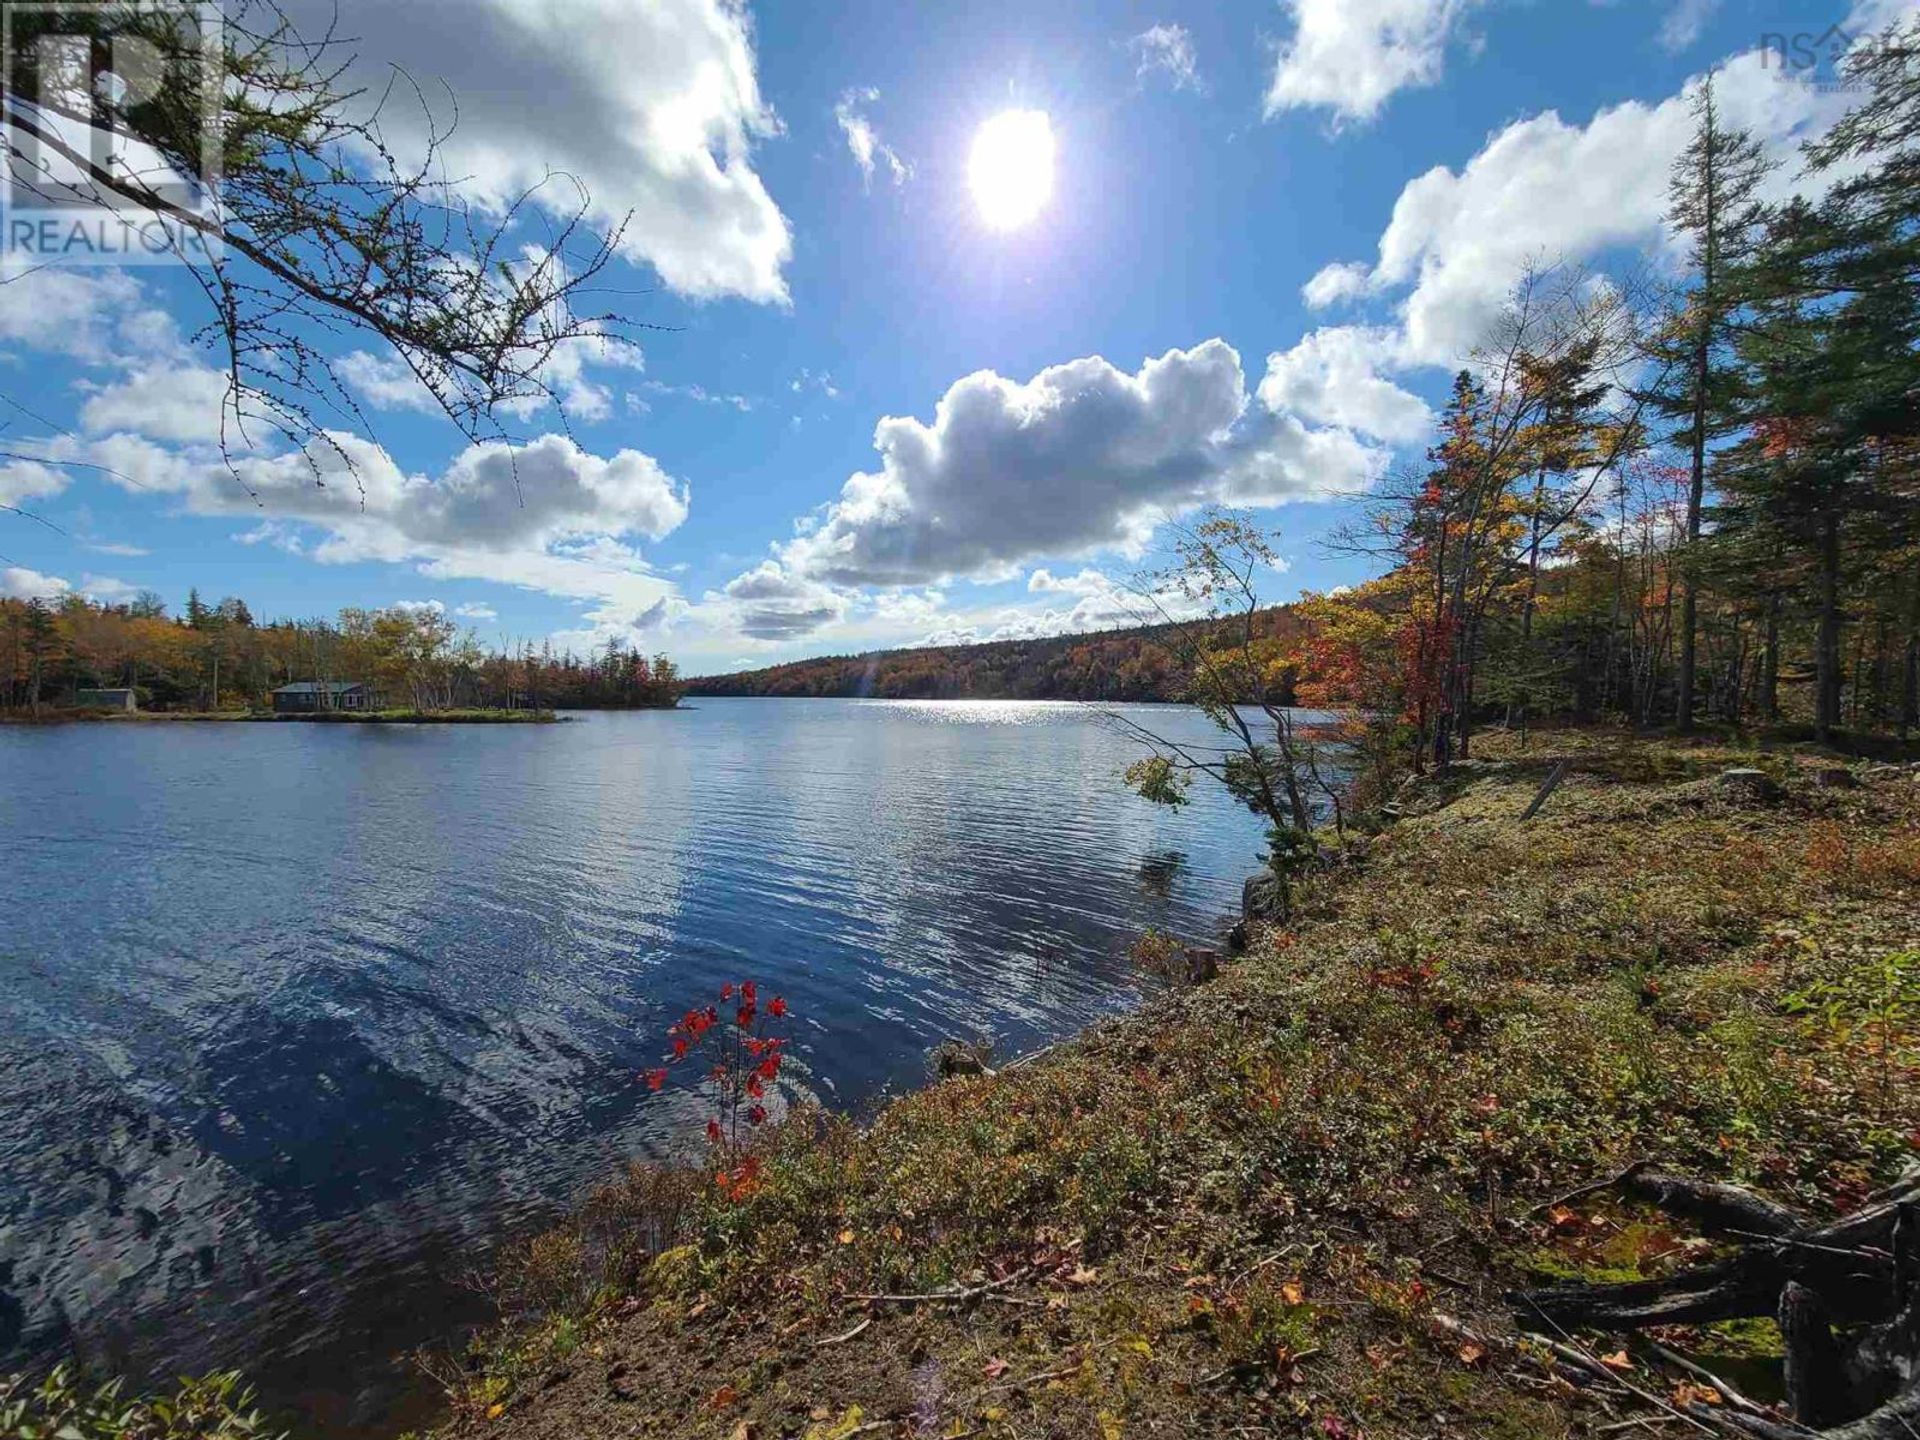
(60, 1407)
(1158, 780)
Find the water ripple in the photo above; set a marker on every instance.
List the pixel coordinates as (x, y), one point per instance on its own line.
(296, 1021)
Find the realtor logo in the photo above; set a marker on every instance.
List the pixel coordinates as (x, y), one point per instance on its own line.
(1808, 55)
(111, 116)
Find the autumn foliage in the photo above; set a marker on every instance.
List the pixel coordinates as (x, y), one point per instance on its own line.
(735, 1048)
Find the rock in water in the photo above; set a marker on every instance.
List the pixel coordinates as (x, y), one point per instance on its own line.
(1261, 898)
(953, 1059)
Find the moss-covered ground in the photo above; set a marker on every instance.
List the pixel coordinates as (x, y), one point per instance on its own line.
(1291, 1201)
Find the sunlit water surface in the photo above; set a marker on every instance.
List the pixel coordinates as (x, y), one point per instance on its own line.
(296, 1021)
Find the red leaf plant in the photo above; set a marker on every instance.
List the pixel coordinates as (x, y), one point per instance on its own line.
(740, 1057)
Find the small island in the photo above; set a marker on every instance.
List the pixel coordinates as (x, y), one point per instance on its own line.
(402, 665)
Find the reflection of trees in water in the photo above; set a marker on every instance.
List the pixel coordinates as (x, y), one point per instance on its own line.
(1159, 870)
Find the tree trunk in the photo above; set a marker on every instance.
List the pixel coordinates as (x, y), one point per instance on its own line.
(1770, 663)
(1827, 645)
(1910, 680)
(1861, 1272)
(1696, 494)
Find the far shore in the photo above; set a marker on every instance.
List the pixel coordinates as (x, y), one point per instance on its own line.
(324, 717)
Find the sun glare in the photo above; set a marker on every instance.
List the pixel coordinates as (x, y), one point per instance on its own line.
(1011, 167)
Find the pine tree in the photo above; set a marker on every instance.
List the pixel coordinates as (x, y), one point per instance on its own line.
(42, 643)
(1713, 202)
(1829, 479)
(1873, 262)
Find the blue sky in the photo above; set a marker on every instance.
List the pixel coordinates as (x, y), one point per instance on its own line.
(875, 419)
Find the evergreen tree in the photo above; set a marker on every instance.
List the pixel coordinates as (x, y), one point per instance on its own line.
(42, 642)
(1713, 203)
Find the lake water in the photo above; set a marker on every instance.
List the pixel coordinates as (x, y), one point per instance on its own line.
(296, 1021)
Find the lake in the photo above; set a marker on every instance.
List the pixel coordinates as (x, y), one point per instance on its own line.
(297, 1021)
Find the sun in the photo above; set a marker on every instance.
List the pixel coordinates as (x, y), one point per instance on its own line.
(1011, 167)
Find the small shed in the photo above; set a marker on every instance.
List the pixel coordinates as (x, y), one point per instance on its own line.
(309, 696)
(106, 700)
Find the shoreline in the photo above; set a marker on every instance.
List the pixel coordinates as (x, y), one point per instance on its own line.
(331, 717)
(1298, 1184)
(1384, 1084)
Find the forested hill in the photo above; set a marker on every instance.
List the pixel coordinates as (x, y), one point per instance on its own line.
(1139, 664)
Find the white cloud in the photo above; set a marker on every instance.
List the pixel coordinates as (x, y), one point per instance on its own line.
(476, 610)
(1167, 50)
(1685, 22)
(864, 141)
(653, 107)
(105, 590)
(165, 400)
(84, 314)
(386, 383)
(769, 602)
(1332, 377)
(1087, 582)
(1100, 603)
(1872, 16)
(1545, 189)
(1334, 283)
(1351, 56)
(24, 480)
(1081, 458)
(699, 394)
(18, 583)
(546, 515)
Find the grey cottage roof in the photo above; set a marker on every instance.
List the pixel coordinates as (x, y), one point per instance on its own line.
(315, 687)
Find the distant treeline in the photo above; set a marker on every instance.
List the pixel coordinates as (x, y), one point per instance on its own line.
(215, 657)
(1137, 664)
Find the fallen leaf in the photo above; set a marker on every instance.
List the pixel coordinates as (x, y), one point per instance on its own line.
(722, 1398)
(995, 1368)
(1082, 1275)
(496, 1410)
(1617, 1361)
(1472, 1354)
(743, 1431)
(846, 1237)
(1687, 1393)
(1293, 1293)
(840, 1429)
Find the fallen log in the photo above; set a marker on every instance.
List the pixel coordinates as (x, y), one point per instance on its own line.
(1846, 1295)
(1715, 1208)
